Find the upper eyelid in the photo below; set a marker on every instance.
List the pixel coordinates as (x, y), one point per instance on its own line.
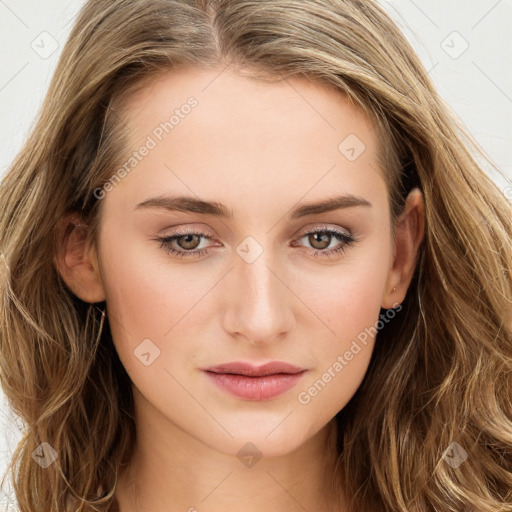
(205, 232)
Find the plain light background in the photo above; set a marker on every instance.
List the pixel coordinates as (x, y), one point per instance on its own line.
(465, 47)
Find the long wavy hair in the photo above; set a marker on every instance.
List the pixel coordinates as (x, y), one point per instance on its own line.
(441, 371)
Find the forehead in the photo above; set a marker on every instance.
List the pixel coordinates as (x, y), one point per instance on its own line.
(233, 98)
(210, 131)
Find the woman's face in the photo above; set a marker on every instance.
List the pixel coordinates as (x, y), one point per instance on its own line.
(255, 284)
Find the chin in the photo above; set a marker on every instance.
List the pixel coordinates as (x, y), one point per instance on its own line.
(264, 442)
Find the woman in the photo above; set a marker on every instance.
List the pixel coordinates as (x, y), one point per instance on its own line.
(249, 262)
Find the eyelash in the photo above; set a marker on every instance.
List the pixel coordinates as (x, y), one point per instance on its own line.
(166, 242)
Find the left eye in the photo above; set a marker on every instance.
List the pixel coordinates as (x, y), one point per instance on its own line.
(188, 242)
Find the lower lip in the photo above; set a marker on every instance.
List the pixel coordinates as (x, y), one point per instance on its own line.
(256, 388)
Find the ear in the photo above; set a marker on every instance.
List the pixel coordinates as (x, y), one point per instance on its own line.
(409, 231)
(76, 259)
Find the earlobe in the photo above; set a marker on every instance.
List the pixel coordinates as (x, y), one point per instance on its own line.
(409, 232)
(76, 260)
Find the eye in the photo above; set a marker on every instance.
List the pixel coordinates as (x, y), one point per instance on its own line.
(185, 244)
(321, 238)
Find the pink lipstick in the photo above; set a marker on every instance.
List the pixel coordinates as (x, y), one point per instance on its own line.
(255, 382)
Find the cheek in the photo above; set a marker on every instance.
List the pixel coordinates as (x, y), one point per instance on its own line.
(348, 298)
(147, 297)
(349, 305)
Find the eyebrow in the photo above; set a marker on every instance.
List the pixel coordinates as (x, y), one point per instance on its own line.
(193, 205)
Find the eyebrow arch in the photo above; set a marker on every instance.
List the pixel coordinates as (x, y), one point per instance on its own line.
(193, 205)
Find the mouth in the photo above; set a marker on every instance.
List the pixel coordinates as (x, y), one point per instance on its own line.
(250, 370)
(255, 383)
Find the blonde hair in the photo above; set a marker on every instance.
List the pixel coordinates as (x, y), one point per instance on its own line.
(441, 371)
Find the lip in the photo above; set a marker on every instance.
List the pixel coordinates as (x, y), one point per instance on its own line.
(250, 382)
(250, 370)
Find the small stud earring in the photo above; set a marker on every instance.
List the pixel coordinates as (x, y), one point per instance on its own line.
(394, 289)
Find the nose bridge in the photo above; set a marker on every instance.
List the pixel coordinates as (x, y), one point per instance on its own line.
(259, 305)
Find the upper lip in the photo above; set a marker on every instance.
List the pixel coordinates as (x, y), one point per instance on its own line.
(241, 368)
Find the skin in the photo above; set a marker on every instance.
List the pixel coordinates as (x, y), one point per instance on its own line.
(262, 150)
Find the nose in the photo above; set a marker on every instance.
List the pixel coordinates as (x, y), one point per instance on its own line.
(258, 301)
